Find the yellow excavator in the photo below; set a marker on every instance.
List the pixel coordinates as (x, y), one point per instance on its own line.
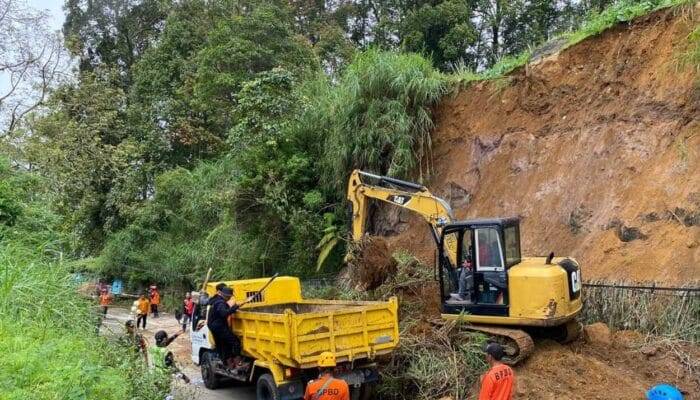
(483, 278)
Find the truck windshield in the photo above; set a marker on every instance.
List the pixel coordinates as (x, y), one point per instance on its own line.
(512, 239)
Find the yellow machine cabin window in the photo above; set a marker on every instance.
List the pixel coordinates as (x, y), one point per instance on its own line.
(490, 255)
(512, 239)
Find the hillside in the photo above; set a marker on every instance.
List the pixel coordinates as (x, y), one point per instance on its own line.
(596, 148)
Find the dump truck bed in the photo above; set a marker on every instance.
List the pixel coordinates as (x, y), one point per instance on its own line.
(294, 334)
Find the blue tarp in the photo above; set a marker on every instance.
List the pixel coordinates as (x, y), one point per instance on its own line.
(117, 286)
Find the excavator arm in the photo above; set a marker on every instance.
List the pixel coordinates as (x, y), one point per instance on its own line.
(417, 198)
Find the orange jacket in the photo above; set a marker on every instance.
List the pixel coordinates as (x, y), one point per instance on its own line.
(105, 299)
(337, 390)
(497, 383)
(155, 297)
(143, 306)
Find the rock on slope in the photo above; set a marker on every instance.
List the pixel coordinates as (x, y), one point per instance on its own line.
(596, 148)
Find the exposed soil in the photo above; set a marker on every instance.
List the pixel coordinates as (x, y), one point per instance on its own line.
(624, 368)
(596, 148)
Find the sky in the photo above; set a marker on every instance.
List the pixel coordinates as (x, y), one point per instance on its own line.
(53, 7)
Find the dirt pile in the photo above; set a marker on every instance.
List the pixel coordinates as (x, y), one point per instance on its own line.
(596, 148)
(624, 368)
(369, 264)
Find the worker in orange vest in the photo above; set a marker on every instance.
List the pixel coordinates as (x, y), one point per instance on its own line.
(142, 307)
(327, 387)
(105, 301)
(155, 300)
(498, 383)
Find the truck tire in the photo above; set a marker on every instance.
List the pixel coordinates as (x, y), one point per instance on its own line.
(266, 389)
(207, 365)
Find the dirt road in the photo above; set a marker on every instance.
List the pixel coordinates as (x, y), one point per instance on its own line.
(114, 325)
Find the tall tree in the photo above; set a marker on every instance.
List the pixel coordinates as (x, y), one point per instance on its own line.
(83, 147)
(112, 33)
(31, 61)
(444, 32)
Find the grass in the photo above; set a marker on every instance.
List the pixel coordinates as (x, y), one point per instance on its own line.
(379, 116)
(691, 57)
(665, 314)
(48, 340)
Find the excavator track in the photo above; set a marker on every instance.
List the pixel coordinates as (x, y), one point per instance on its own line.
(517, 343)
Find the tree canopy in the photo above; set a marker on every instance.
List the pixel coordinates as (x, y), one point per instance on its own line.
(220, 133)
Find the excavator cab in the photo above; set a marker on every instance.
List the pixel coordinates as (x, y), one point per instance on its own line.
(478, 282)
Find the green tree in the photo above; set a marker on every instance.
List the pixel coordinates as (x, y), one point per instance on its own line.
(112, 33)
(240, 46)
(161, 96)
(83, 147)
(443, 32)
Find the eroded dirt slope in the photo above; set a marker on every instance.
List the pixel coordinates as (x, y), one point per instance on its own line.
(622, 365)
(596, 148)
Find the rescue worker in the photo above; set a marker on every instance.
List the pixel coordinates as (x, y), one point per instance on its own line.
(142, 308)
(227, 344)
(163, 359)
(187, 310)
(498, 383)
(155, 300)
(105, 301)
(327, 387)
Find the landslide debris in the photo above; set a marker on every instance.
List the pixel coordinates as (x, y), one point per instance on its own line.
(620, 365)
(368, 265)
(603, 131)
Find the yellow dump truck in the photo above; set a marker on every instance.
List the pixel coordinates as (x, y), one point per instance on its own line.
(283, 334)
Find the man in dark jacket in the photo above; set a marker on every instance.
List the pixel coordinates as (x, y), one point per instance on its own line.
(227, 344)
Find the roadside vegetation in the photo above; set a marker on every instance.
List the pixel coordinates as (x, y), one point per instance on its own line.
(49, 339)
(672, 315)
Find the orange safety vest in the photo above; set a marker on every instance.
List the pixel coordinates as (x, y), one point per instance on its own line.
(155, 297)
(105, 299)
(143, 306)
(337, 390)
(497, 383)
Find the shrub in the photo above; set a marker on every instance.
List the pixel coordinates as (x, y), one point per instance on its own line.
(379, 116)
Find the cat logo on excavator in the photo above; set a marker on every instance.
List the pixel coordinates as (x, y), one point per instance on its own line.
(399, 199)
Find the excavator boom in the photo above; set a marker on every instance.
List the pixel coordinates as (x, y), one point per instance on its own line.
(417, 198)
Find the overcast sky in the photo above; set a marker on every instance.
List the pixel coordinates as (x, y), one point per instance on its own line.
(53, 7)
(55, 10)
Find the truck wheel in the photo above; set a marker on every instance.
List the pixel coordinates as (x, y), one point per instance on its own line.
(266, 388)
(207, 365)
